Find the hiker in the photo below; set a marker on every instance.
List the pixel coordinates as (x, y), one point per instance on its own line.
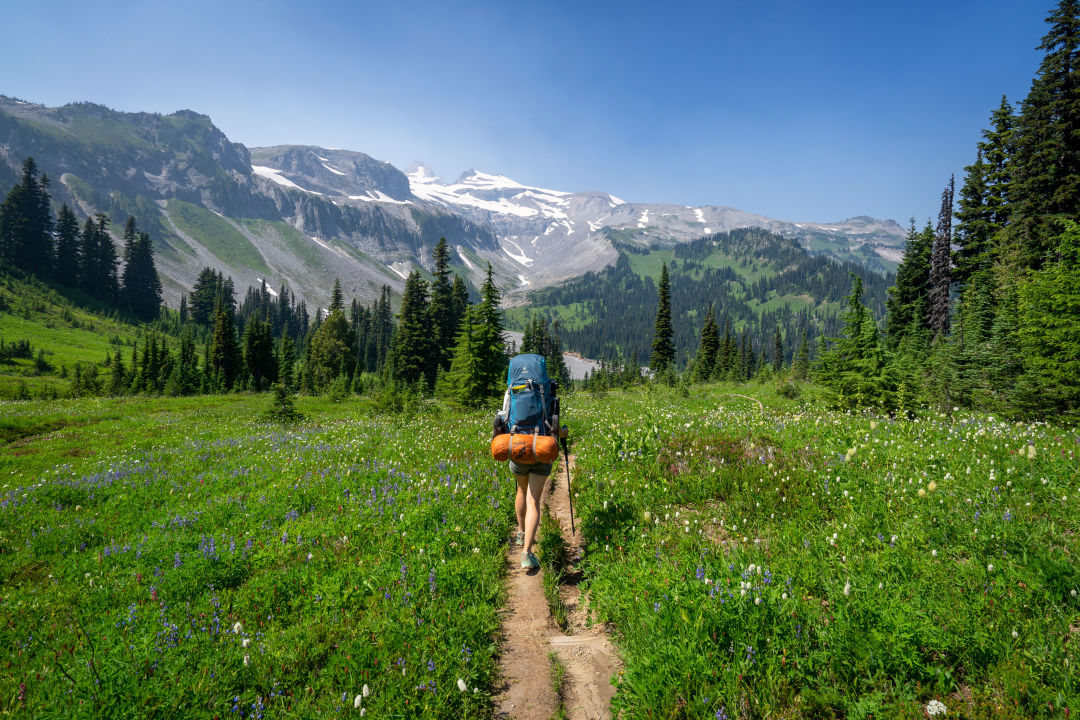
(525, 433)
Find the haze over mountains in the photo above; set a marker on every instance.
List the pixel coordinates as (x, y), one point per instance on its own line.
(304, 215)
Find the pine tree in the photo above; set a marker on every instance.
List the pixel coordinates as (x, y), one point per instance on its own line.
(68, 253)
(663, 345)
(330, 353)
(412, 342)
(801, 363)
(443, 320)
(259, 356)
(26, 224)
(708, 348)
(975, 229)
(1049, 331)
(940, 260)
(778, 351)
(906, 306)
(468, 382)
(489, 328)
(224, 359)
(1046, 165)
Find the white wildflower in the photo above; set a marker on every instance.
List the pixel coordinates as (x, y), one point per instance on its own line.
(935, 708)
(357, 701)
(461, 685)
(247, 660)
(366, 691)
(238, 628)
(847, 588)
(245, 642)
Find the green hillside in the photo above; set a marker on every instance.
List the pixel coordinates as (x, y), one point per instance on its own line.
(60, 335)
(757, 280)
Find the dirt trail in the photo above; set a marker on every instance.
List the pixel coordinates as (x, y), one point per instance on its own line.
(530, 635)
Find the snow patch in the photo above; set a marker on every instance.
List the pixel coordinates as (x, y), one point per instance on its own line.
(524, 280)
(268, 288)
(461, 254)
(643, 219)
(399, 272)
(274, 174)
(520, 257)
(700, 216)
(379, 196)
(708, 231)
(615, 201)
(331, 168)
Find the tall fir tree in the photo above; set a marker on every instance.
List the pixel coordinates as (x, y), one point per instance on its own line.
(801, 362)
(67, 247)
(778, 351)
(708, 348)
(224, 360)
(940, 270)
(663, 345)
(488, 325)
(412, 342)
(906, 306)
(443, 318)
(1046, 164)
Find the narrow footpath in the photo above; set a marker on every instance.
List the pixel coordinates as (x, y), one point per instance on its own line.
(529, 634)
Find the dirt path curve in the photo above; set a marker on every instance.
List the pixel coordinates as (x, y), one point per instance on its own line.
(530, 634)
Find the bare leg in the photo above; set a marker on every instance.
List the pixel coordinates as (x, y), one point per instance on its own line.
(519, 500)
(532, 510)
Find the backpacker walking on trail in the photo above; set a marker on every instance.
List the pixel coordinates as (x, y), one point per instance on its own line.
(526, 433)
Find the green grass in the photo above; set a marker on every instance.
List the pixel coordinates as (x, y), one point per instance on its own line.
(799, 562)
(216, 234)
(572, 315)
(184, 557)
(65, 333)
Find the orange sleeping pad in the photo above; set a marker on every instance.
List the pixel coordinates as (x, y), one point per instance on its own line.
(525, 449)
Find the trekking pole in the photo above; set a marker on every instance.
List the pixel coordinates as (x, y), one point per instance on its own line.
(563, 435)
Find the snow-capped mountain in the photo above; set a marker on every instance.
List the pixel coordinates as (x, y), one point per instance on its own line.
(553, 234)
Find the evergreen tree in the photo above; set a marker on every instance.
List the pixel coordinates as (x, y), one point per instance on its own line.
(778, 351)
(224, 360)
(907, 303)
(975, 229)
(801, 363)
(460, 299)
(1049, 331)
(412, 342)
(183, 308)
(489, 328)
(140, 289)
(940, 260)
(467, 379)
(997, 148)
(337, 302)
(443, 318)
(853, 367)
(26, 224)
(330, 352)
(260, 359)
(68, 256)
(663, 346)
(708, 348)
(1046, 165)
(204, 295)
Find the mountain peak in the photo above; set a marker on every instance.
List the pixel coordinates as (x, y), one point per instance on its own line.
(421, 172)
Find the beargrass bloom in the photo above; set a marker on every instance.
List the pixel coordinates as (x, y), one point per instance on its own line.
(935, 708)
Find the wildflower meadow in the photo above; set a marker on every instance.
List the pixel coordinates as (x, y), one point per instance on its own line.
(187, 558)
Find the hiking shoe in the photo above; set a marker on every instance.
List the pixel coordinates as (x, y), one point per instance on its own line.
(529, 561)
(521, 537)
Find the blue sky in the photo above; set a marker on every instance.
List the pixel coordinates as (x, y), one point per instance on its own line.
(813, 111)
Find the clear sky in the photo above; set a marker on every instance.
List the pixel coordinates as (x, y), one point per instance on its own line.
(795, 109)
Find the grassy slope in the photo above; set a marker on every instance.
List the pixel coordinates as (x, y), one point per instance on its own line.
(52, 323)
(216, 234)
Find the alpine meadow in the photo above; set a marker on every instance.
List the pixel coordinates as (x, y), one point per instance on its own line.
(250, 394)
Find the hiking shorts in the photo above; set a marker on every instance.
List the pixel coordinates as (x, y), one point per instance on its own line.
(540, 469)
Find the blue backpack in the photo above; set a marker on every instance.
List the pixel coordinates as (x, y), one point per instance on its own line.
(534, 409)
